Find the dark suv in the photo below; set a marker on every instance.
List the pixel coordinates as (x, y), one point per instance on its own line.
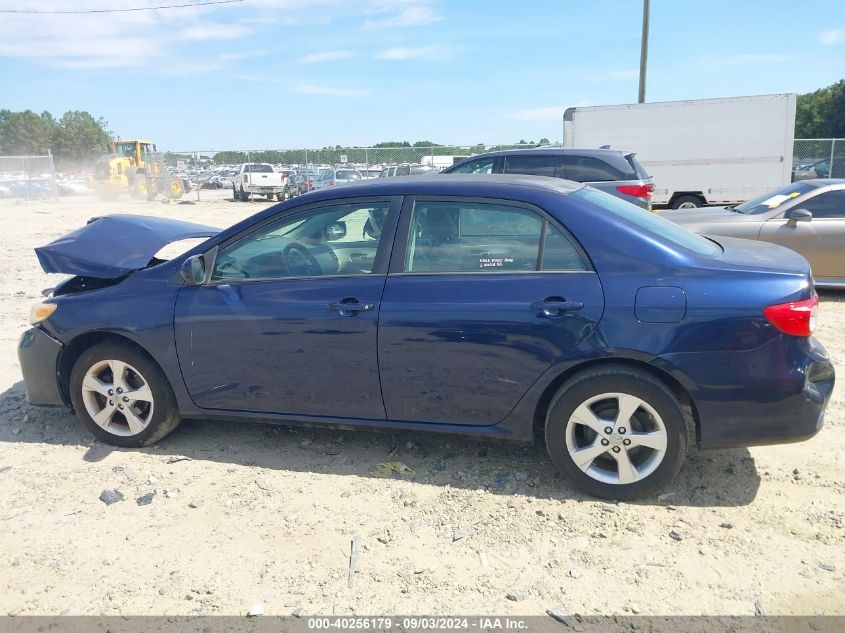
(612, 171)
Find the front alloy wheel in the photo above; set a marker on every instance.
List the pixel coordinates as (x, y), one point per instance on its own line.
(122, 395)
(117, 397)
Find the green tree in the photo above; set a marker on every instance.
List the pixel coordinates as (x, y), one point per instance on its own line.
(821, 114)
(26, 132)
(544, 141)
(80, 137)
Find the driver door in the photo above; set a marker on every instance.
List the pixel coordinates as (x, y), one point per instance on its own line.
(287, 322)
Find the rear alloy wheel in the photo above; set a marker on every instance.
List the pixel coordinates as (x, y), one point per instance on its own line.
(617, 432)
(122, 396)
(687, 202)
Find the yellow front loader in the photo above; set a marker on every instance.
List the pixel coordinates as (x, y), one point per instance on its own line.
(134, 167)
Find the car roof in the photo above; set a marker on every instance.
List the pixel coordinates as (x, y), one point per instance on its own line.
(469, 185)
(822, 182)
(551, 150)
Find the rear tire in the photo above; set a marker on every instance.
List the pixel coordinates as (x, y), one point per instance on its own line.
(126, 392)
(644, 449)
(687, 202)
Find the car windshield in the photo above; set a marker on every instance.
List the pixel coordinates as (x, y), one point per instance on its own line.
(771, 201)
(650, 222)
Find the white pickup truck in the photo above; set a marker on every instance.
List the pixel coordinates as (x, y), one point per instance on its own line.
(259, 179)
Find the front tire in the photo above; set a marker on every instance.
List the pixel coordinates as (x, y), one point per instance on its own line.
(617, 432)
(122, 396)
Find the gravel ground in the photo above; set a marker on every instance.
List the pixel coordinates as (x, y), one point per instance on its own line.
(242, 514)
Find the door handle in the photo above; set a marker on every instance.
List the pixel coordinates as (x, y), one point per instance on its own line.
(555, 306)
(350, 306)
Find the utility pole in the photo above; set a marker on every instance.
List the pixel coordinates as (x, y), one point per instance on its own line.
(644, 51)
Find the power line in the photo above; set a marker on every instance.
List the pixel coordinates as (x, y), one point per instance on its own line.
(164, 6)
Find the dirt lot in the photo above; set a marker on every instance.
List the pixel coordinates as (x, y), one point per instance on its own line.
(247, 514)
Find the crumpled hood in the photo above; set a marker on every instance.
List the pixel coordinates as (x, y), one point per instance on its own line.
(115, 245)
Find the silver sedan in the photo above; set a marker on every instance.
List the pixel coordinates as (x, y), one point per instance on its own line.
(806, 216)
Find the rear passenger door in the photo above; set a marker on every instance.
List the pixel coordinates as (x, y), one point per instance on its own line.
(481, 298)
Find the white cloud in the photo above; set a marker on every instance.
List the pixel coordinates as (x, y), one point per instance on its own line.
(233, 57)
(428, 53)
(329, 91)
(626, 74)
(214, 31)
(547, 113)
(748, 59)
(327, 56)
(404, 17)
(833, 36)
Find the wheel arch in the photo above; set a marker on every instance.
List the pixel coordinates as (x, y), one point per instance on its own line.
(680, 392)
(77, 346)
(688, 194)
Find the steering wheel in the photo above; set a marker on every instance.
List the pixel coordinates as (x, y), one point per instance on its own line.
(298, 261)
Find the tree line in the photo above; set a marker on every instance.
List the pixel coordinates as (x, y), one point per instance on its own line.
(76, 137)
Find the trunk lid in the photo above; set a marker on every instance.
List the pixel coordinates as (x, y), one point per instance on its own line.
(114, 245)
(753, 254)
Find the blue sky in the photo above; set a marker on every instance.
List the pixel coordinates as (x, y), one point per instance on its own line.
(308, 73)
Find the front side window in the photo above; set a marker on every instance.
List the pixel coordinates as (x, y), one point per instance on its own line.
(335, 240)
(830, 204)
(480, 166)
(457, 237)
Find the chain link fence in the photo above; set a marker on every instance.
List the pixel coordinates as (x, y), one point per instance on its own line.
(28, 177)
(818, 158)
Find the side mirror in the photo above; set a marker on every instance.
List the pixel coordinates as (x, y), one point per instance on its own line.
(193, 270)
(799, 215)
(336, 231)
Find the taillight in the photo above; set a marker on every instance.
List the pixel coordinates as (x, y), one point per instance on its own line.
(797, 318)
(638, 191)
(332, 184)
(246, 177)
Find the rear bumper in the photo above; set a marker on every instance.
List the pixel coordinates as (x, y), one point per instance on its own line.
(38, 353)
(775, 394)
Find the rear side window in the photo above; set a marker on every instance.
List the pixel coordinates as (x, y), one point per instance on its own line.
(534, 165)
(459, 237)
(403, 170)
(649, 222)
(593, 169)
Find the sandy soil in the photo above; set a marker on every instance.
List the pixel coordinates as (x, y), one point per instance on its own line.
(247, 514)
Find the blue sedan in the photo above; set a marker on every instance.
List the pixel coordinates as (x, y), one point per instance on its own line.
(490, 306)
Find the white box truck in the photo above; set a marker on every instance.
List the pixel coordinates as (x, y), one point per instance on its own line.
(699, 152)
